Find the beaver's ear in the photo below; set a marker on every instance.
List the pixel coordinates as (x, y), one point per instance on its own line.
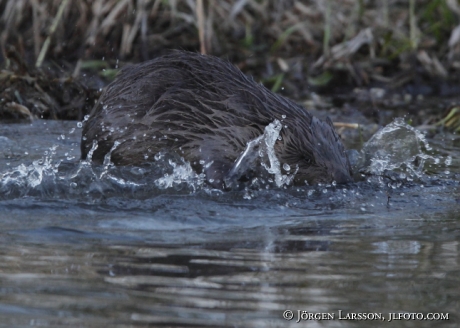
(329, 121)
(331, 124)
(323, 130)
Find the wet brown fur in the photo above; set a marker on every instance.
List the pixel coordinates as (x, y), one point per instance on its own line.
(205, 108)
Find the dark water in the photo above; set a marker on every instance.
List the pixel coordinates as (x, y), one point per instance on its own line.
(81, 247)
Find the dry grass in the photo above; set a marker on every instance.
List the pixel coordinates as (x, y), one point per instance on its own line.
(139, 29)
(282, 42)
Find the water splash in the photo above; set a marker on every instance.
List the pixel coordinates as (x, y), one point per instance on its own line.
(182, 174)
(86, 163)
(25, 178)
(89, 157)
(261, 152)
(107, 164)
(397, 147)
(271, 135)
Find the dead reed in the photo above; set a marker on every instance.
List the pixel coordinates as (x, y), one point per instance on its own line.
(292, 43)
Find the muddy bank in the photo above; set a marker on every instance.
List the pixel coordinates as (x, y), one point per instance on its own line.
(56, 55)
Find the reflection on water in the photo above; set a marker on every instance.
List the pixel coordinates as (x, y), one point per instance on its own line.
(115, 255)
(58, 277)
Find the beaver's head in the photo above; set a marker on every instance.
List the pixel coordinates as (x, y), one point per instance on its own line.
(317, 151)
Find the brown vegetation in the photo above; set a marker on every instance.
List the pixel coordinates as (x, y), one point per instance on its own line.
(291, 43)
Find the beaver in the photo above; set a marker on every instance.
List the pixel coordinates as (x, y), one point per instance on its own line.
(205, 109)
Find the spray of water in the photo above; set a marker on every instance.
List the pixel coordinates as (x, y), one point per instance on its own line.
(398, 147)
(271, 134)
